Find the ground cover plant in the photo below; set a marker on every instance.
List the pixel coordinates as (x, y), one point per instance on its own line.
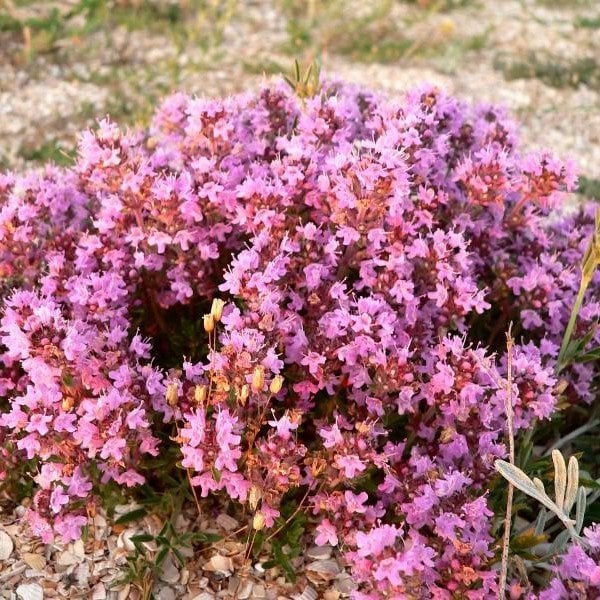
(295, 302)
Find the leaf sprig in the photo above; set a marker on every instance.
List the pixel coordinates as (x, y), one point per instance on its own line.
(307, 84)
(567, 491)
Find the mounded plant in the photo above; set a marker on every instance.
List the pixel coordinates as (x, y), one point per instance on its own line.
(300, 300)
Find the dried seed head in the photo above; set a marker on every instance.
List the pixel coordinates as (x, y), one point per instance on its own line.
(216, 310)
(363, 428)
(244, 393)
(258, 522)
(317, 466)
(276, 384)
(200, 393)
(258, 378)
(222, 384)
(172, 394)
(447, 435)
(561, 386)
(209, 323)
(254, 497)
(91, 509)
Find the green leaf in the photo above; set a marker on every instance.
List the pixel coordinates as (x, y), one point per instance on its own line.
(134, 515)
(284, 562)
(525, 453)
(590, 355)
(202, 537)
(591, 484)
(575, 349)
(178, 556)
(160, 557)
(216, 474)
(141, 538)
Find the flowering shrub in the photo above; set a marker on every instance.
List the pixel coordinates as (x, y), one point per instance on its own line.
(307, 295)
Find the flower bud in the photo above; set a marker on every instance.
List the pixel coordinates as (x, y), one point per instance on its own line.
(216, 310)
(254, 496)
(591, 258)
(172, 394)
(200, 393)
(258, 522)
(209, 323)
(67, 403)
(276, 384)
(258, 378)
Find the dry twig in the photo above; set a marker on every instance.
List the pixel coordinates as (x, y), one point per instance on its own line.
(511, 458)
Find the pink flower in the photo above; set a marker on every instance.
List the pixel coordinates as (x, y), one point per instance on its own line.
(58, 499)
(38, 423)
(313, 361)
(284, 426)
(113, 448)
(69, 527)
(377, 540)
(326, 534)
(350, 464)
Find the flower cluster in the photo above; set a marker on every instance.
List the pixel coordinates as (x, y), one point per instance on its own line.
(578, 574)
(369, 255)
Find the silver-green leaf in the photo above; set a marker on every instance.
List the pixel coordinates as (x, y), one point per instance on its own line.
(559, 543)
(580, 510)
(540, 522)
(560, 478)
(572, 485)
(534, 488)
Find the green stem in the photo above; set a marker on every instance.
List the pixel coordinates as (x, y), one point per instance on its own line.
(572, 320)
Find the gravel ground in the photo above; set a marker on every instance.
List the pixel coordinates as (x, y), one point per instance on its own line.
(525, 54)
(535, 57)
(97, 568)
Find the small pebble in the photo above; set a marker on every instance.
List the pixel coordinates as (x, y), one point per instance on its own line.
(6, 545)
(30, 591)
(319, 552)
(98, 592)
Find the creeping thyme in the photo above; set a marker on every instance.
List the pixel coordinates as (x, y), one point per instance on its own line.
(312, 294)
